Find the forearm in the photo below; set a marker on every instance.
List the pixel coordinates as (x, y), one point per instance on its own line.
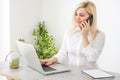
(54, 59)
(85, 41)
(95, 48)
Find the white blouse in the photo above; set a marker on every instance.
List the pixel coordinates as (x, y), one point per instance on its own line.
(72, 51)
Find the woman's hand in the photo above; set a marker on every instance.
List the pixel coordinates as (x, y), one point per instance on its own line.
(85, 27)
(48, 62)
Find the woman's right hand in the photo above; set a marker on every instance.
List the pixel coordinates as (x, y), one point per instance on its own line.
(48, 62)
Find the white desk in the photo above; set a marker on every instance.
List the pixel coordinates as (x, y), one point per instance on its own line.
(27, 73)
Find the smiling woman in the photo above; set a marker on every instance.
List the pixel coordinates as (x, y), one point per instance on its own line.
(83, 43)
(57, 14)
(107, 20)
(4, 28)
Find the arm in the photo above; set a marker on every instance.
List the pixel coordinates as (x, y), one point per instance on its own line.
(93, 50)
(85, 41)
(59, 57)
(62, 53)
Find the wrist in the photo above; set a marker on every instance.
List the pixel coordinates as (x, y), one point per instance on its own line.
(85, 32)
(85, 41)
(84, 37)
(53, 59)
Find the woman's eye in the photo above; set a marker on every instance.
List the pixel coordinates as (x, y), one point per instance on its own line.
(81, 15)
(75, 14)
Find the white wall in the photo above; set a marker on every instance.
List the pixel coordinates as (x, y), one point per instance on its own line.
(108, 21)
(4, 28)
(25, 15)
(58, 17)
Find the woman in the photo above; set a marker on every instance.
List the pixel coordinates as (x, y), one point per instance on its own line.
(82, 44)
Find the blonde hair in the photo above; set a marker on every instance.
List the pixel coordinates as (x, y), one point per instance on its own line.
(91, 9)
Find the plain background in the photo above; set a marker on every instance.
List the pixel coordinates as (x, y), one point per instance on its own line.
(19, 17)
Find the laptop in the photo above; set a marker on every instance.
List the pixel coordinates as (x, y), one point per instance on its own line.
(31, 59)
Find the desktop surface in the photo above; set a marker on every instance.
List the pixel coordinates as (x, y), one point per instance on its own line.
(27, 73)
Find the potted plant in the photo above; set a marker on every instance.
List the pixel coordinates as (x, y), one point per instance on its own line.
(13, 59)
(43, 44)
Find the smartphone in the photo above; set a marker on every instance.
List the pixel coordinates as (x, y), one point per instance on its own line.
(90, 19)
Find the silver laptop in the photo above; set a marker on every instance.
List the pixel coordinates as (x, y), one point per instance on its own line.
(32, 60)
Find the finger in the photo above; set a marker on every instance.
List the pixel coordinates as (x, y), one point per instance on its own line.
(41, 61)
(44, 61)
(88, 23)
(85, 24)
(81, 26)
(48, 64)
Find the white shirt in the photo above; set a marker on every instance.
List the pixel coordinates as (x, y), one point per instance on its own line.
(72, 51)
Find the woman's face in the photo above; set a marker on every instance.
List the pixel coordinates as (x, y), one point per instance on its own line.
(81, 15)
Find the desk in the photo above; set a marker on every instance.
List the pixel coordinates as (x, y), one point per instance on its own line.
(27, 73)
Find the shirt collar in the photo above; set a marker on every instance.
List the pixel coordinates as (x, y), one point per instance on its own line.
(77, 29)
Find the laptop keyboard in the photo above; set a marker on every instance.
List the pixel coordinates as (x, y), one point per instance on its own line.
(47, 68)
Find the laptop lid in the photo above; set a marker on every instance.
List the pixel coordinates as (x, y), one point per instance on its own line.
(29, 53)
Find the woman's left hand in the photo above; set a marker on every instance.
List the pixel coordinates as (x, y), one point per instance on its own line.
(85, 27)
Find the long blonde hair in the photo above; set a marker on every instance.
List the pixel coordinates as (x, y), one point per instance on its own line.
(91, 9)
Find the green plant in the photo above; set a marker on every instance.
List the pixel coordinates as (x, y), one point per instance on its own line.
(14, 63)
(43, 44)
(22, 40)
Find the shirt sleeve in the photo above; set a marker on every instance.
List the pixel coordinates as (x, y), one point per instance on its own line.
(62, 53)
(94, 49)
